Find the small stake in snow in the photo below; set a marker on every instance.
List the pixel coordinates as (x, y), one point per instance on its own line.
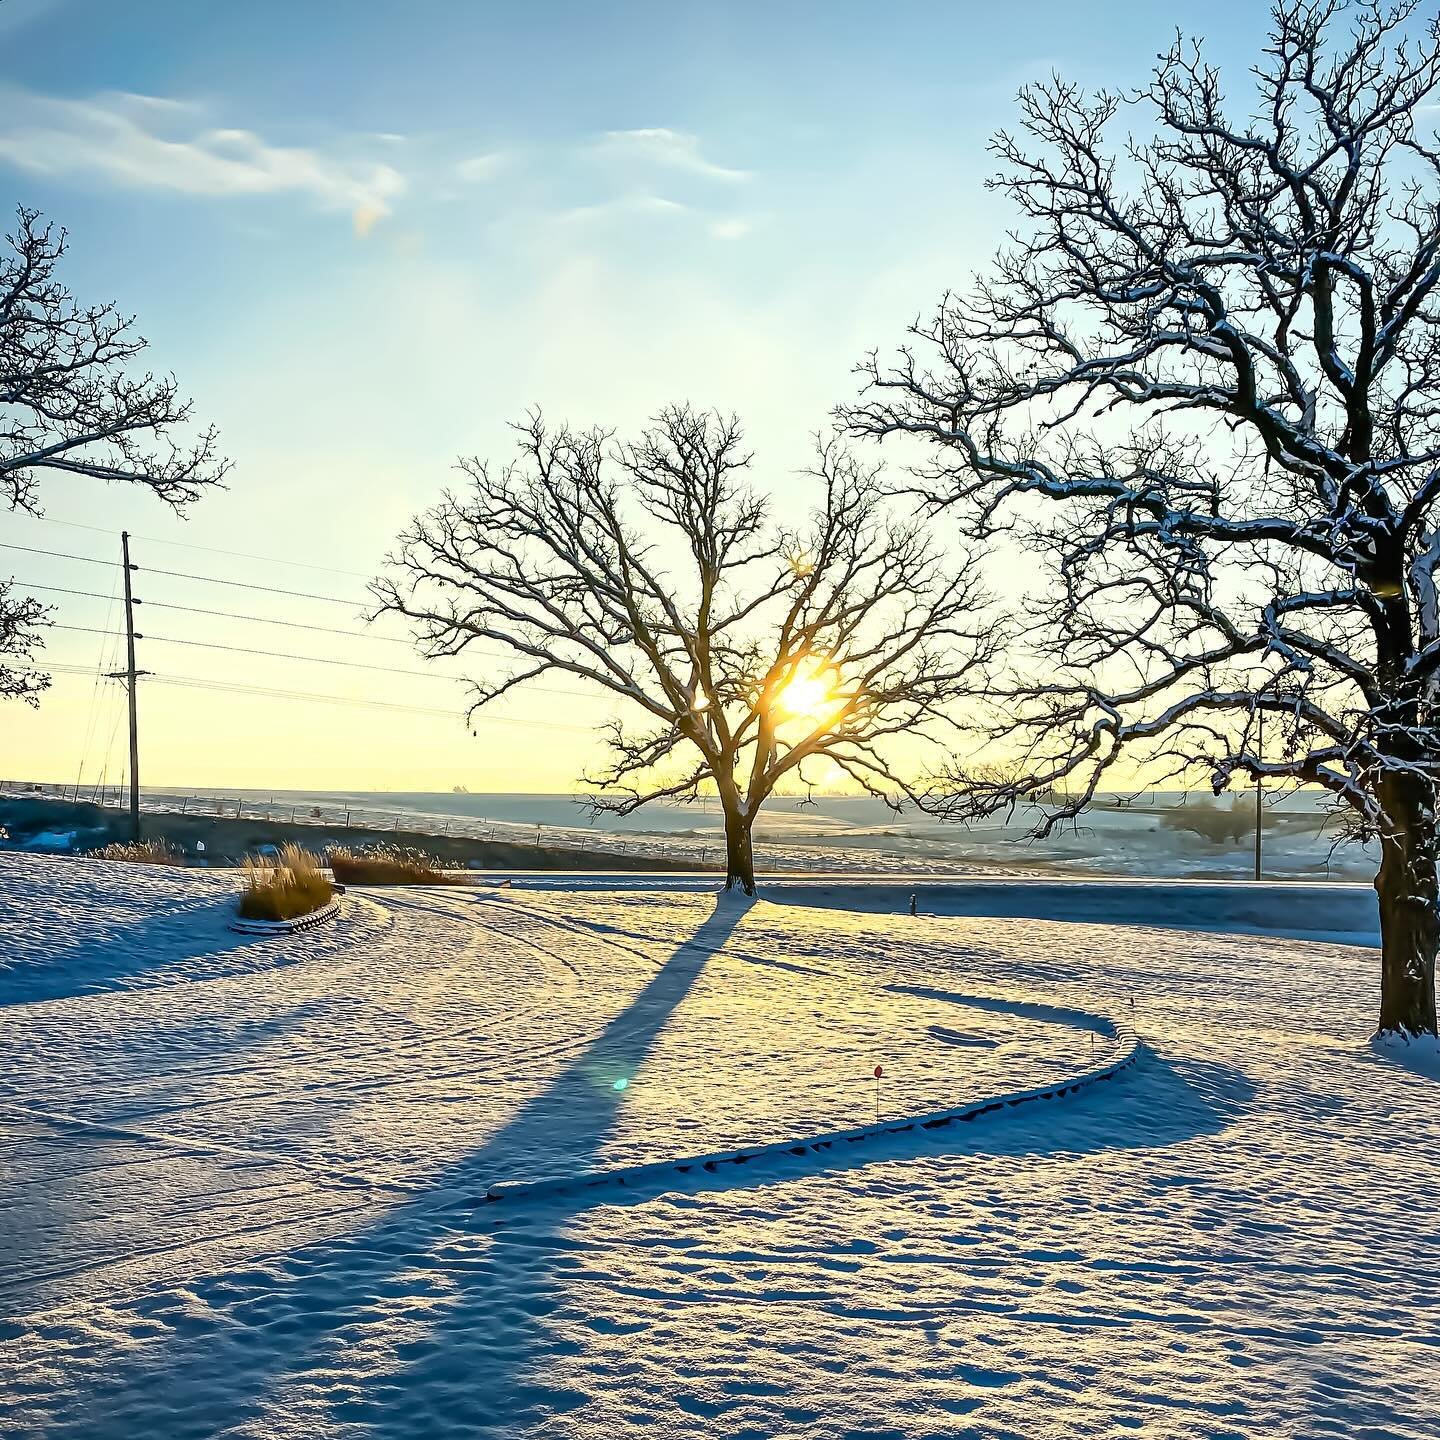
(879, 1072)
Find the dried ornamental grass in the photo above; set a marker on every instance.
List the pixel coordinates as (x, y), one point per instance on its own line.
(285, 887)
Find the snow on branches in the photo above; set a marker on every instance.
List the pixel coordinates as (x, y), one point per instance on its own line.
(69, 402)
(1217, 349)
(1201, 384)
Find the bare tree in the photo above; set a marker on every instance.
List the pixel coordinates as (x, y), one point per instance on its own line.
(1202, 383)
(69, 402)
(753, 654)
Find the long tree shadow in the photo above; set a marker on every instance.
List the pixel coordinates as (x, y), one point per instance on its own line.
(447, 1305)
(214, 1377)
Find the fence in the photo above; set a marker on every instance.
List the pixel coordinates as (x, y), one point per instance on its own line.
(239, 807)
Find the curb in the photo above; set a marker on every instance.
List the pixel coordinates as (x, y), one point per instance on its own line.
(286, 927)
(1121, 1032)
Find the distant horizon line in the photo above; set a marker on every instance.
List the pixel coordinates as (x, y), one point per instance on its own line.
(91, 787)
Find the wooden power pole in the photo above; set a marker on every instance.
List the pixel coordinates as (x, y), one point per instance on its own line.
(1259, 787)
(131, 676)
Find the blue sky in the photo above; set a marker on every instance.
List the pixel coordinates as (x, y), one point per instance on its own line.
(364, 235)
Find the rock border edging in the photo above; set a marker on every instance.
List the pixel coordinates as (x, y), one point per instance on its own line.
(1121, 1032)
(286, 927)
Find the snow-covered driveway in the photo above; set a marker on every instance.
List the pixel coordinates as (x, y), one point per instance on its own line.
(243, 1181)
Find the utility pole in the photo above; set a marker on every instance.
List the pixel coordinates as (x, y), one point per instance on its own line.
(131, 675)
(1259, 783)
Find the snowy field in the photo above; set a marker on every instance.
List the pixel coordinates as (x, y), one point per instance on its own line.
(1119, 835)
(243, 1183)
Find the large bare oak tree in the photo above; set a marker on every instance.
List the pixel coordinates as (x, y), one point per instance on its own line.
(750, 653)
(70, 401)
(1203, 382)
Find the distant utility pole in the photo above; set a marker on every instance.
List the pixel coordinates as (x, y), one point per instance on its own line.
(131, 675)
(1259, 783)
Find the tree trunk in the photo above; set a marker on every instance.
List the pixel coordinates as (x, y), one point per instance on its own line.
(739, 856)
(1409, 922)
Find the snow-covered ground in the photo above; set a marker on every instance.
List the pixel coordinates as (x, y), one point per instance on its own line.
(243, 1182)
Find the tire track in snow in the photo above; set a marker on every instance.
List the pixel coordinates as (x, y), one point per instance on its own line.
(417, 1195)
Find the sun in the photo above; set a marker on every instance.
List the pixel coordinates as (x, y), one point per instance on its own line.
(811, 691)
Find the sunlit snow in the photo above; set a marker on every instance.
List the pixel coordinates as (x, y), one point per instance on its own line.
(245, 1181)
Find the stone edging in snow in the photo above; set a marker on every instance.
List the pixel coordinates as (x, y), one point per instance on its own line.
(286, 927)
(1121, 1032)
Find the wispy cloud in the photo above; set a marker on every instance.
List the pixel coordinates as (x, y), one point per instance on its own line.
(479, 168)
(142, 142)
(671, 149)
(735, 228)
(621, 206)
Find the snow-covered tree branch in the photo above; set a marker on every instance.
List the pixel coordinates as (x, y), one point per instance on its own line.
(70, 402)
(1201, 384)
(751, 654)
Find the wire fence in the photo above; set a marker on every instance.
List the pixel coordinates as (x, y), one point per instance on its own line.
(204, 804)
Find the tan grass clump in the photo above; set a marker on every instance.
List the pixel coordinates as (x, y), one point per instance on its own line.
(388, 865)
(285, 887)
(140, 852)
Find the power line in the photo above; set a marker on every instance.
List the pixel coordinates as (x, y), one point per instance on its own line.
(268, 654)
(277, 693)
(60, 555)
(93, 708)
(313, 660)
(227, 687)
(222, 614)
(271, 620)
(206, 549)
(246, 585)
(185, 575)
(267, 692)
(290, 625)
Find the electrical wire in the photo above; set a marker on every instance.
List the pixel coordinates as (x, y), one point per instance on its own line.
(292, 625)
(236, 688)
(267, 692)
(222, 614)
(95, 691)
(311, 659)
(205, 549)
(248, 585)
(60, 555)
(150, 639)
(185, 575)
(194, 682)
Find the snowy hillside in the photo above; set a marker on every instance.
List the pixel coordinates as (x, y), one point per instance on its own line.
(245, 1182)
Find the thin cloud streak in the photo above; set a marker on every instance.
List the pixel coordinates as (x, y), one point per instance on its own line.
(146, 142)
(623, 205)
(480, 168)
(673, 149)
